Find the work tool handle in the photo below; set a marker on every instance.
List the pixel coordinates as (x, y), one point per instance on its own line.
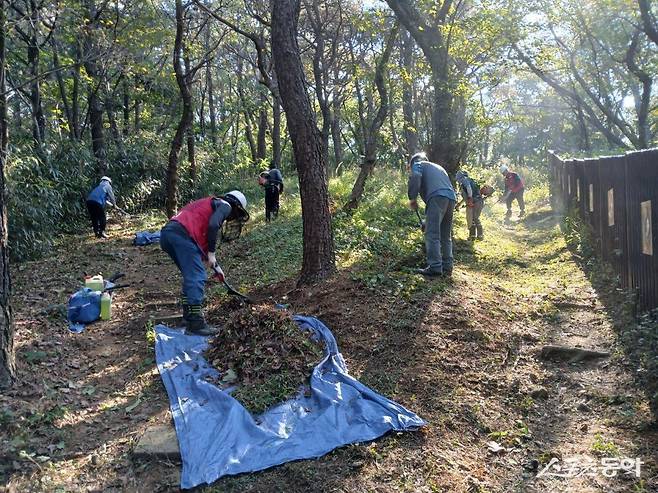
(118, 286)
(116, 276)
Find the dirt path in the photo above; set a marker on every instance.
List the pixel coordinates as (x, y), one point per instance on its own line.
(464, 355)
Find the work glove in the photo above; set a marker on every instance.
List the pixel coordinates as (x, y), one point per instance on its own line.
(219, 273)
(469, 202)
(212, 260)
(413, 205)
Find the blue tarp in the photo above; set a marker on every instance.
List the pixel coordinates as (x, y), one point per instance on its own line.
(143, 238)
(219, 437)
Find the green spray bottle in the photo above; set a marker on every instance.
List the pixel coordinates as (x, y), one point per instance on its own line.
(106, 306)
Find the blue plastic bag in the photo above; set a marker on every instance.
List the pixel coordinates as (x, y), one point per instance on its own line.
(144, 238)
(84, 306)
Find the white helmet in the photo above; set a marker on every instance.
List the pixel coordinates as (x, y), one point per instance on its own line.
(107, 179)
(419, 156)
(239, 196)
(503, 169)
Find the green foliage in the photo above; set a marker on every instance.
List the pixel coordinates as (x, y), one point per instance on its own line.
(149, 332)
(578, 235)
(603, 447)
(45, 197)
(382, 228)
(6, 417)
(46, 417)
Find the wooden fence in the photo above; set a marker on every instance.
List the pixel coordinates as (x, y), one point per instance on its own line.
(618, 196)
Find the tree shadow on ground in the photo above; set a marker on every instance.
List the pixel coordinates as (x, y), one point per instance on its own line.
(637, 335)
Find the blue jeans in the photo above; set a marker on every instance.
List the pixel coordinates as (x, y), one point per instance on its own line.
(438, 233)
(175, 240)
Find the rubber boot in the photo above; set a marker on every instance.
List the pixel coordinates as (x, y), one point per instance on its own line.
(480, 232)
(471, 233)
(186, 308)
(196, 323)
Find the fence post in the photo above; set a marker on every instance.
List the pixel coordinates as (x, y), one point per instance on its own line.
(629, 219)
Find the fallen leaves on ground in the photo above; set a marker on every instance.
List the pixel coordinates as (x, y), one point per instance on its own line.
(265, 352)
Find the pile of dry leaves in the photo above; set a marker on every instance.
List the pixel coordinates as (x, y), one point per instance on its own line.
(263, 352)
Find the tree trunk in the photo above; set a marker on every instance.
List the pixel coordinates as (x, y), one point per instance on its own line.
(191, 154)
(276, 132)
(7, 359)
(648, 20)
(406, 59)
(372, 131)
(17, 114)
(202, 113)
(137, 120)
(642, 101)
(171, 200)
(97, 134)
(95, 104)
(248, 131)
(583, 134)
(319, 259)
(249, 134)
(211, 94)
(211, 108)
(336, 136)
(110, 98)
(75, 95)
(126, 107)
(319, 64)
(261, 142)
(62, 92)
(33, 55)
(444, 149)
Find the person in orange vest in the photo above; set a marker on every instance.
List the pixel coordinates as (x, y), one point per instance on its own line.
(514, 188)
(190, 238)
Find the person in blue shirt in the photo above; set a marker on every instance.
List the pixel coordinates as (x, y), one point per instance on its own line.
(435, 188)
(96, 202)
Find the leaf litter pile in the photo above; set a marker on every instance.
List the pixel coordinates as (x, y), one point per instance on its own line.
(264, 352)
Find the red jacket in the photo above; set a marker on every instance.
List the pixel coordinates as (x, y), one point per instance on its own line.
(195, 217)
(513, 182)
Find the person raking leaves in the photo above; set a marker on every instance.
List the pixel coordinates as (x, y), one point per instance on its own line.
(514, 188)
(434, 186)
(474, 201)
(272, 182)
(97, 199)
(190, 238)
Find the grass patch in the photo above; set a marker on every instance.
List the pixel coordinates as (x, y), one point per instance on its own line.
(604, 448)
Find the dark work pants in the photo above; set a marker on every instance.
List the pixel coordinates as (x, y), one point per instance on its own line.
(97, 215)
(271, 202)
(519, 198)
